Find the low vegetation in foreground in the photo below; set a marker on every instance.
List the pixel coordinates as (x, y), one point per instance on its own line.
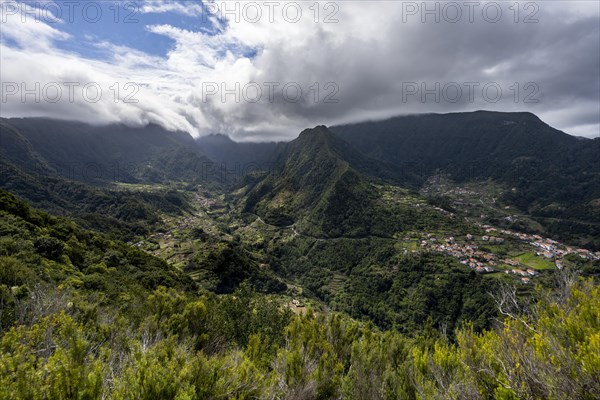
(185, 346)
(87, 317)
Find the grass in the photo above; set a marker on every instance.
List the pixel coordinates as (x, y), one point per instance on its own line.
(408, 245)
(393, 195)
(536, 262)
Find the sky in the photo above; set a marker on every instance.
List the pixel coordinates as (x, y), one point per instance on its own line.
(265, 70)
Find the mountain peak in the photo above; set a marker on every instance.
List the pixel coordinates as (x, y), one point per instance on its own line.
(322, 187)
(316, 130)
(319, 131)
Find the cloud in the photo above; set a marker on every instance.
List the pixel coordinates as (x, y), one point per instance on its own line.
(241, 75)
(188, 8)
(24, 26)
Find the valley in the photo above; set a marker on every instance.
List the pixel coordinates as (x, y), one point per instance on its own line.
(327, 245)
(336, 200)
(325, 273)
(323, 219)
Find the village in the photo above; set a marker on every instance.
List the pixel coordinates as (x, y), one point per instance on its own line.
(469, 252)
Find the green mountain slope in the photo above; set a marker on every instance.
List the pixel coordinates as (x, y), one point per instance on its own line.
(83, 316)
(317, 188)
(438, 140)
(120, 211)
(93, 173)
(101, 154)
(39, 249)
(553, 176)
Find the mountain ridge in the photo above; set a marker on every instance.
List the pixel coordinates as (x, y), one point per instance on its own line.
(554, 177)
(314, 187)
(101, 154)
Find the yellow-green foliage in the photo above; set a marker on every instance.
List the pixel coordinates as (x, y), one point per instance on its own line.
(551, 353)
(51, 359)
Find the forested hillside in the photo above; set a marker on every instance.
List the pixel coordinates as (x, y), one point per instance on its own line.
(547, 174)
(321, 185)
(330, 274)
(83, 316)
(94, 174)
(102, 154)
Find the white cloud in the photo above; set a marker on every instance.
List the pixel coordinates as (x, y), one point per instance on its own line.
(189, 8)
(23, 24)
